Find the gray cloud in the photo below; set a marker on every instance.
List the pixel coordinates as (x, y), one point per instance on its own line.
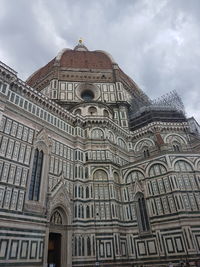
(155, 42)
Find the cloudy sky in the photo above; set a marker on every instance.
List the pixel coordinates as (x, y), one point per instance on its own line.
(156, 42)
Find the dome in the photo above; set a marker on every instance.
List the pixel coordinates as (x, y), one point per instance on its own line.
(78, 58)
(79, 65)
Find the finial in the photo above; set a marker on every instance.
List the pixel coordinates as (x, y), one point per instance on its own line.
(80, 46)
(80, 41)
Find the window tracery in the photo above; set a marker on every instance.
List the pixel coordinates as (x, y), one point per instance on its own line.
(144, 143)
(122, 143)
(176, 146)
(182, 165)
(100, 175)
(134, 176)
(157, 169)
(97, 134)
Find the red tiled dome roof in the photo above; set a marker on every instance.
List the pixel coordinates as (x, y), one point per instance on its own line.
(79, 58)
(85, 60)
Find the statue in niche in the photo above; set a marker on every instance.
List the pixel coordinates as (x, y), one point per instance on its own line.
(56, 218)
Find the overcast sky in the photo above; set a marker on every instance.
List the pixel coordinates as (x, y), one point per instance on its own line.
(156, 42)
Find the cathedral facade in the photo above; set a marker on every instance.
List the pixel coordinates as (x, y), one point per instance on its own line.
(92, 173)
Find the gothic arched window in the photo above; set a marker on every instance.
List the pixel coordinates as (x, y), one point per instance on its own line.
(34, 190)
(75, 211)
(87, 212)
(86, 172)
(79, 246)
(88, 246)
(176, 146)
(142, 216)
(87, 192)
(83, 246)
(146, 152)
(75, 248)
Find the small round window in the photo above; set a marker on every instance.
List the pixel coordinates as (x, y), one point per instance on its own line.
(87, 95)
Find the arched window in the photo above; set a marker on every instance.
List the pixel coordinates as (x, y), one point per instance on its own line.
(83, 247)
(142, 216)
(116, 177)
(75, 249)
(97, 134)
(88, 246)
(75, 191)
(82, 194)
(86, 156)
(100, 175)
(176, 146)
(157, 169)
(79, 211)
(146, 152)
(82, 212)
(76, 172)
(182, 166)
(143, 144)
(133, 176)
(79, 246)
(87, 192)
(34, 190)
(86, 172)
(111, 137)
(87, 212)
(75, 211)
(101, 190)
(175, 140)
(79, 191)
(122, 144)
(92, 110)
(113, 210)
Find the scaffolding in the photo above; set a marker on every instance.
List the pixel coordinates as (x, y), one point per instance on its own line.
(170, 101)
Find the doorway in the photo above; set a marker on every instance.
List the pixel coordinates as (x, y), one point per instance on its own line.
(54, 250)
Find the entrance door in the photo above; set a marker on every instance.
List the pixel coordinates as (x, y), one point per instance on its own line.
(54, 250)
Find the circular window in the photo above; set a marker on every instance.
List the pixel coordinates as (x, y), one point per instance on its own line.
(87, 95)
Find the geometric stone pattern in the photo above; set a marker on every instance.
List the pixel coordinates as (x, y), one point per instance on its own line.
(97, 186)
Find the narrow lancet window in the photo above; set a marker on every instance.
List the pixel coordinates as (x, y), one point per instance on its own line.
(34, 190)
(143, 220)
